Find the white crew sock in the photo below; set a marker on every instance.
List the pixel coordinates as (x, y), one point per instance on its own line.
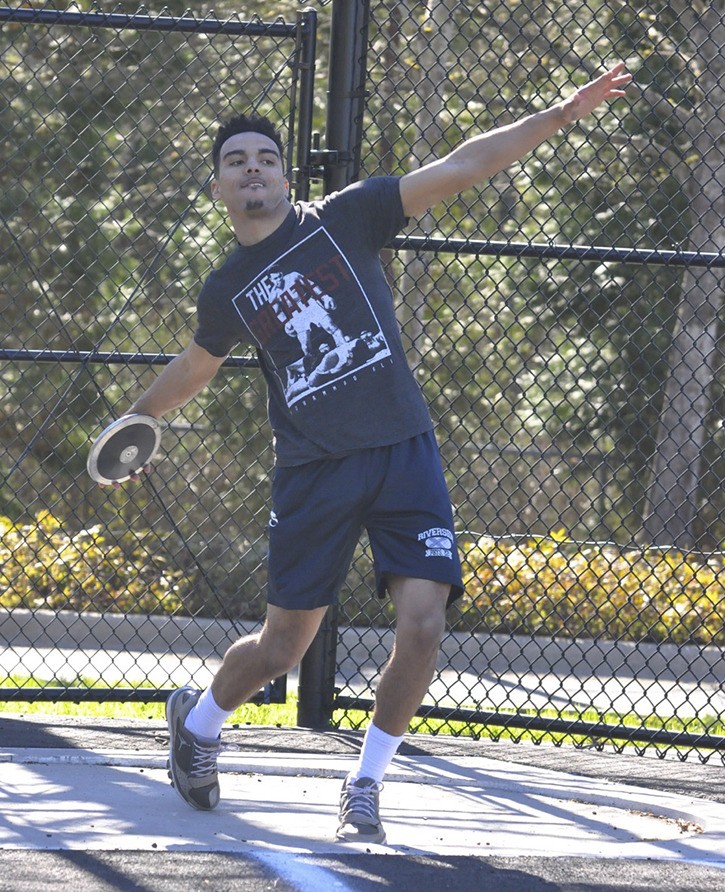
(206, 718)
(376, 754)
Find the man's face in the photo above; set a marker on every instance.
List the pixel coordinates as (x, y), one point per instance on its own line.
(251, 179)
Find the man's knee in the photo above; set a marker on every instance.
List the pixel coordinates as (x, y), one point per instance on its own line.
(421, 632)
(421, 612)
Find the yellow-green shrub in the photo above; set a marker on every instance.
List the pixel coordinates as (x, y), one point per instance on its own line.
(554, 586)
(544, 585)
(41, 566)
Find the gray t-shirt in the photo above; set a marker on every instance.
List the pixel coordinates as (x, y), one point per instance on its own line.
(312, 298)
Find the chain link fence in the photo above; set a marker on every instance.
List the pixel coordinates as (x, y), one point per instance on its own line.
(108, 232)
(563, 320)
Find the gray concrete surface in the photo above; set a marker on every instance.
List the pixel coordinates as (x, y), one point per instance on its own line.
(89, 803)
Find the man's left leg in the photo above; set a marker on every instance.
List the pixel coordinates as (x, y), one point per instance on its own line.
(420, 607)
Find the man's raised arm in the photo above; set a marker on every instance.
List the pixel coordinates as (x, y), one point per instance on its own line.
(481, 157)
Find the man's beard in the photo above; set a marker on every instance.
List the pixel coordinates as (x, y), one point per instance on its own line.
(255, 204)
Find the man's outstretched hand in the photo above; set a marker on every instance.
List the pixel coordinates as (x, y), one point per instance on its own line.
(609, 86)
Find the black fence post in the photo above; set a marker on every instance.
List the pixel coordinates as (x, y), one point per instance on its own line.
(340, 162)
(302, 120)
(317, 676)
(346, 92)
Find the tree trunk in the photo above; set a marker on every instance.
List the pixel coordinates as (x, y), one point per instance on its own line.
(673, 495)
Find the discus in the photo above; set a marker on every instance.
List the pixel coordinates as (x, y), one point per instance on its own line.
(124, 448)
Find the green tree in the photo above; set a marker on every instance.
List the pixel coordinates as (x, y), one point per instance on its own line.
(688, 56)
(510, 354)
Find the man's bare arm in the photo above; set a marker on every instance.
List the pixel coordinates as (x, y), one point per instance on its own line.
(181, 380)
(480, 158)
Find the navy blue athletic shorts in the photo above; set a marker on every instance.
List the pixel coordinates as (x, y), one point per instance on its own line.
(397, 493)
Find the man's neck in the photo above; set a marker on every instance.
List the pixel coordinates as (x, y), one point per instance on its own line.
(251, 230)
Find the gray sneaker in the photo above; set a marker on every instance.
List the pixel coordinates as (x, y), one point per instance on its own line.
(192, 760)
(359, 812)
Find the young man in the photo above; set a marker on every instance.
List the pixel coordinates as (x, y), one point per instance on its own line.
(354, 446)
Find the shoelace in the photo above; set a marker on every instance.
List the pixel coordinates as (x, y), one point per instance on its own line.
(205, 756)
(361, 801)
(204, 759)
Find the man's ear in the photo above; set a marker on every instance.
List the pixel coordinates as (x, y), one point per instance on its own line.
(214, 189)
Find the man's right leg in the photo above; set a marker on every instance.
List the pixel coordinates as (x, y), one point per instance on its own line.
(255, 660)
(194, 726)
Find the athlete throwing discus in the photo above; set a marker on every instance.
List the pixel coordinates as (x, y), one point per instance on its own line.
(354, 446)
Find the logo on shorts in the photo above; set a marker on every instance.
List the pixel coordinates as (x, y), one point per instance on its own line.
(273, 519)
(438, 542)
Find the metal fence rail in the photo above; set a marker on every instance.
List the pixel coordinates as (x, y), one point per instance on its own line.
(564, 321)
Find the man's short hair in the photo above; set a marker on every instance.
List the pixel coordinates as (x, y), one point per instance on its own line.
(243, 124)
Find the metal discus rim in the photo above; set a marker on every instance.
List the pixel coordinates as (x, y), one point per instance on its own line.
(130, 455)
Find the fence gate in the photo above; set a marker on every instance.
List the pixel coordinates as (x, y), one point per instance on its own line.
(108, 230)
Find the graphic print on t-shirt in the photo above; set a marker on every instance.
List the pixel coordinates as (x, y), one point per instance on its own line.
(311, 317)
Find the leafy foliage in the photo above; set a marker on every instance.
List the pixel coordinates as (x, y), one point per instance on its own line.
(543, 585)
(555, 586)
(41, 566)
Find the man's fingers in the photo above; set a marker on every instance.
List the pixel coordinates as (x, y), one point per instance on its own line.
(617, 71)
(609, 85)
(612, 82)
(615, 75)
(135, 477)
(618, 76)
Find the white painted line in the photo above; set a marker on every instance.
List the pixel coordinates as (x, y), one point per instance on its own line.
(303, 875)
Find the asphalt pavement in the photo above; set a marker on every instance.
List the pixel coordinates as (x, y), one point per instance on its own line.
(87, 803)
